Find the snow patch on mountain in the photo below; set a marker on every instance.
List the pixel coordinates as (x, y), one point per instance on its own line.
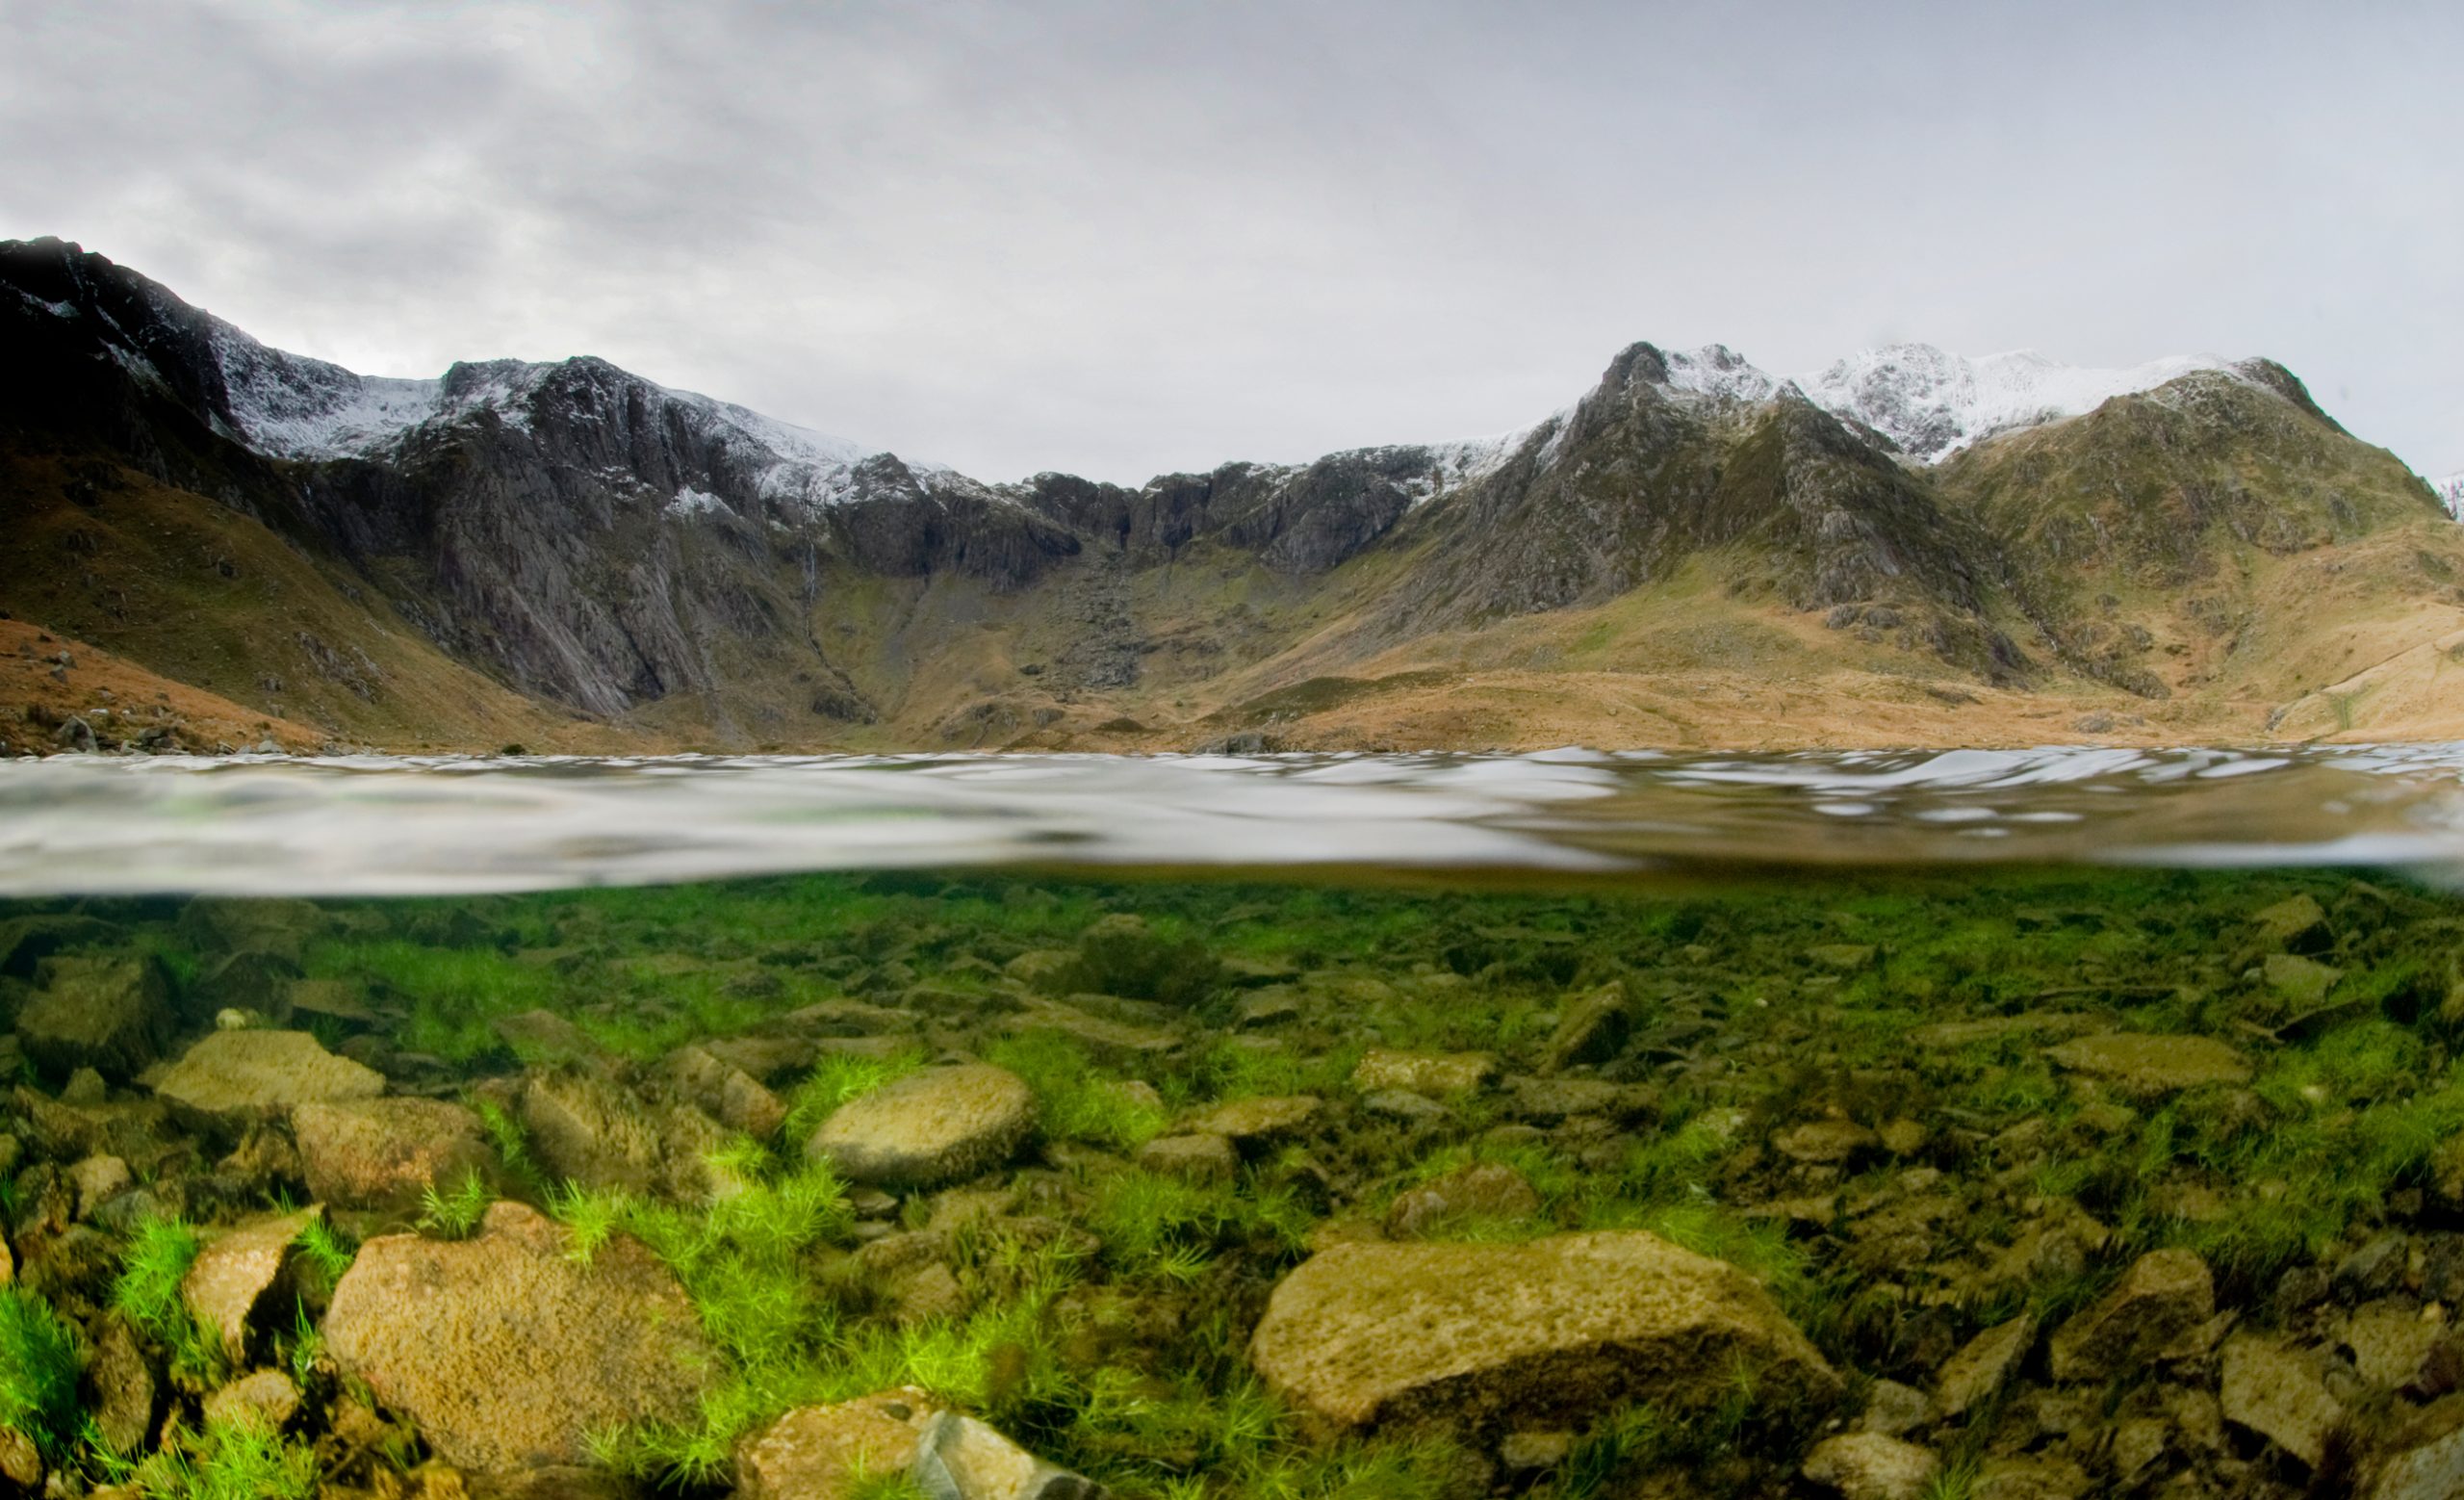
(1720, 372)
(1933, 402)
(291, 406)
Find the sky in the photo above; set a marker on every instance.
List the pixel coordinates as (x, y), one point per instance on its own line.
(1124, 238)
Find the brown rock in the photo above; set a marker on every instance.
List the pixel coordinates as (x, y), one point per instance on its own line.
(268, 1396)
(124, 1392)
(20, 1464)
(2279, 1395)
(235, 1077)
(506, 1350)
(234, 1288)
(1364, 1335)
(1984, 1366)
(2164, 1295)
(817, 1453)
(1591, 1028)
(1870, 1467)
(729, 1094)
(942, 1124)
(385, 1152)
(586, 1129)
(98, 1179)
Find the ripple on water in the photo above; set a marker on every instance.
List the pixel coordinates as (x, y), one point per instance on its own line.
(372, 825)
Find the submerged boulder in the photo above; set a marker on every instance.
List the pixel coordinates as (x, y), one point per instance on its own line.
(586, 1129)
(507, 1351)
(1550, 1332)
(113, 1015)
(942, 1124)
(236, 1077)
(382, 1153)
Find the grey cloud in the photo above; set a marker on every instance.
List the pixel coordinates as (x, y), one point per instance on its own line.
(1121, 237)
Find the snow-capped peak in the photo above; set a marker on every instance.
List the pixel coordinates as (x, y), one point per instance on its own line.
(1718, 371)
(1932, 403)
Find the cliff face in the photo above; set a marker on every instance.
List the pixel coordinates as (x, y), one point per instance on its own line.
(587, 540)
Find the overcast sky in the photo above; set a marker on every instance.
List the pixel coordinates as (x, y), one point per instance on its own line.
(1118, 239)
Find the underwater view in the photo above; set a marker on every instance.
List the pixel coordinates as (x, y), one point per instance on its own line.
(1835, 1160)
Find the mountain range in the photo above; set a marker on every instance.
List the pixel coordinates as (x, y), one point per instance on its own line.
(213, 540)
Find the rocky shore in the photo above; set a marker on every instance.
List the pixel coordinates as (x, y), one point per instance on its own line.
(2047, 1187)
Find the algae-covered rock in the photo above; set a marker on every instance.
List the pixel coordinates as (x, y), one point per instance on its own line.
(381, 1152)
(1591, 1028)
(729, 1095)
(224, 924)
(2297, 924)
(1983, 1365)
(234, 1287)
(1433, 1074)
(585, 1129)
(1870, 1467)
(1483, 1190)
(510, 1351)
(942, 1124)
(1246, 1121)
(2164, 1295)
(232, 1078)
(1557, 1330)
(1829, 1143)
(113, 1015)
(250, 980)
(1123, 955)
(2150, 1064)
(1199, 1158)
(125, 1391)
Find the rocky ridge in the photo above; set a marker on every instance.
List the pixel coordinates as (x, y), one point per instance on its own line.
(602, 546)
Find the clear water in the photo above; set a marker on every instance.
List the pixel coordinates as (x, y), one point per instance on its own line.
(1845, 990)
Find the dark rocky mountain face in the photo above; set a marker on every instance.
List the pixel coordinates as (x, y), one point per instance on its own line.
(597, 541)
